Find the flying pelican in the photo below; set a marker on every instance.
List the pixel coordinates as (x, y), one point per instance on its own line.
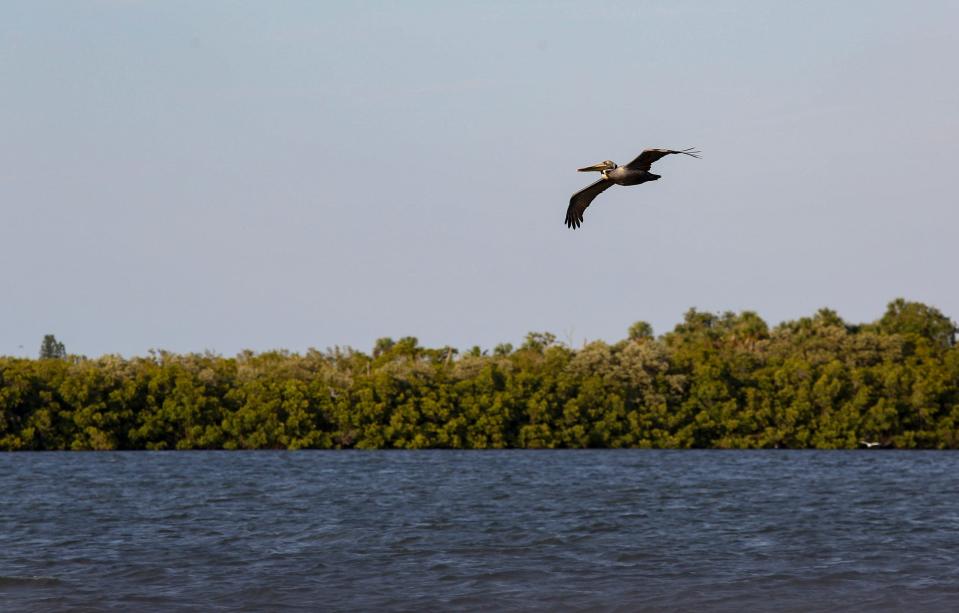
(869, 444)
(634, 173)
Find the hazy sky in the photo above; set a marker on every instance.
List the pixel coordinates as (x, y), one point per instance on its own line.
(229, 175)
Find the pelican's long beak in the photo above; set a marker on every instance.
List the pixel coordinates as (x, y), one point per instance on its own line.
(594, 168)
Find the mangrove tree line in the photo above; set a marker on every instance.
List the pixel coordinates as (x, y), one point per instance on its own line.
(715, 381)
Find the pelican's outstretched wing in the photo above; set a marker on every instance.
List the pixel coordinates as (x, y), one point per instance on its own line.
(647, 157)
(581, 200)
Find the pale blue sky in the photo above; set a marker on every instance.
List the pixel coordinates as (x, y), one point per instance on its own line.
(229, 175)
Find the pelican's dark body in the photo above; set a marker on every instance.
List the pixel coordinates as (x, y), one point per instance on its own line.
(634, 173)
(621, 175)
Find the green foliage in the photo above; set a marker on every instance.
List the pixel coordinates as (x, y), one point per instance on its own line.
(717, 380)
(918, 319)
(51, 349)
(640, 330)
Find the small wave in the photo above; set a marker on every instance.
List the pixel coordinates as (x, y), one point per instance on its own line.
(34, 581)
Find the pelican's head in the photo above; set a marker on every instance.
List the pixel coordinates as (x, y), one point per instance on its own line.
(601, 167)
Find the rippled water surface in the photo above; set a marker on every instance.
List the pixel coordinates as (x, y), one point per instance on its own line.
(571, 530)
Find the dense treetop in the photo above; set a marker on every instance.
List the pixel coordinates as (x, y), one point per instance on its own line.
(724, 381)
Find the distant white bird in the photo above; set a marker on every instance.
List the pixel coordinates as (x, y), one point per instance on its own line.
(869, 444)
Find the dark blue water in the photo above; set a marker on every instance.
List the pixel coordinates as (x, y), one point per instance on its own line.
(571, 530)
